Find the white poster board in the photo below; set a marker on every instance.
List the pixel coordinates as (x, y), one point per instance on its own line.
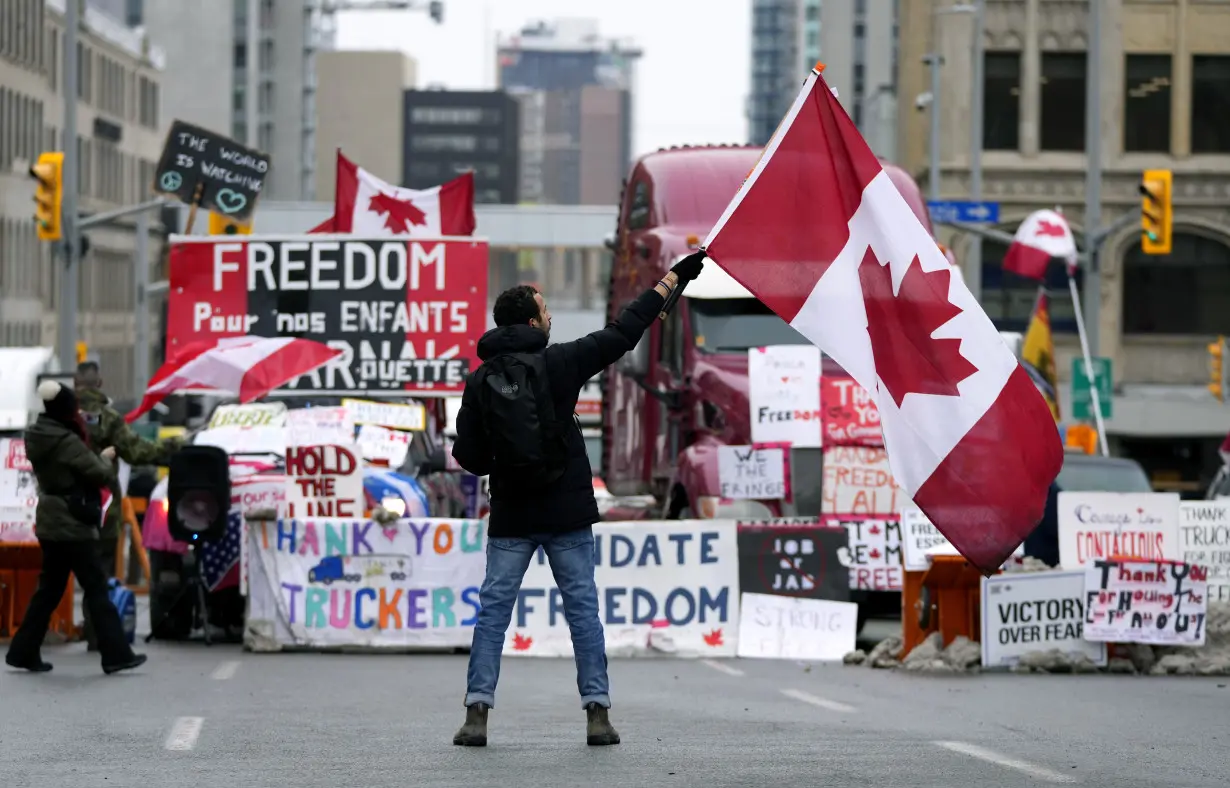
(254, 414)
(311, 426)
(379, 443)
(872, 552)
(394, 416)
(1156, 602)
(783, 627)
(665, 588)
(859, 481)
(324, 481)
(1103, 525)
(1204, 539)
(784, 394)
(357, 583)
(747, 472)
(1023, 612)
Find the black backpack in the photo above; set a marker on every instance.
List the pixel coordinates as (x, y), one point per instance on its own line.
(530, 446)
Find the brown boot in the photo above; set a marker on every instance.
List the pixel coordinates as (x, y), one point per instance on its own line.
(598, 729)
(474, 732)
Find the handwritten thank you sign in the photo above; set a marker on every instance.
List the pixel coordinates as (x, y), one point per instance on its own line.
(1162, 602)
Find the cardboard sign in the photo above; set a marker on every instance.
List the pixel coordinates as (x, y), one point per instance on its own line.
(784, 394)
(405, 314)
(664, 588)
(330, 583)
(778, 627)
(1160, 602)
(18, 487)
(873, 552)
(1023, 612)
(377, 443)
(256, 414)
(312, 426)
(1204, 539)
(859, 481)
(850, 416)
(392, 415)
(215, 172)
(750, 473)
(17, 525)
(1103, 525)
(323, 481)
(793, 558)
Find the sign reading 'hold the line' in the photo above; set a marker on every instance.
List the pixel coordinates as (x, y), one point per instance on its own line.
(215, 172)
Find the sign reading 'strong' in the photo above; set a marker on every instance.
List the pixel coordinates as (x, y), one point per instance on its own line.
(407, 315)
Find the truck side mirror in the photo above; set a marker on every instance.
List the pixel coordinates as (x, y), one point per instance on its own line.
(635, 363)
(609, 242)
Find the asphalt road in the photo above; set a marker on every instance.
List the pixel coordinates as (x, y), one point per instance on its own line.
(198, 716)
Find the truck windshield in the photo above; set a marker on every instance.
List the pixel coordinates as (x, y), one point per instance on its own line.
(733, 325)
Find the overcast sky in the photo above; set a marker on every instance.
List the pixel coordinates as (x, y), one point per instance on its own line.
(691, 83)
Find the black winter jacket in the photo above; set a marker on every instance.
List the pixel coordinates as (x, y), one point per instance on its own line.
(569, 503)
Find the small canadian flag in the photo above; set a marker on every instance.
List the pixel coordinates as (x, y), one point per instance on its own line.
(367, 205)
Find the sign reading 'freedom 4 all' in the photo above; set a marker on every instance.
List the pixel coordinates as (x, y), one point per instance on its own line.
(406, 314)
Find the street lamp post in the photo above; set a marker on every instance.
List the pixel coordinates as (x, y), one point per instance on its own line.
(973, 270)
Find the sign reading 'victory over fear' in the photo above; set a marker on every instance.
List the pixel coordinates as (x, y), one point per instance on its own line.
(407, 315)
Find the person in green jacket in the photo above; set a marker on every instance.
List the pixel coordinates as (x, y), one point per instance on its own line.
(71, 478)
(108, 430)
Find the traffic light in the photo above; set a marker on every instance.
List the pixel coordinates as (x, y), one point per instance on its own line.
(48, 170)
(1217, 369)
(1156, 212)
(224, 225)
(1083, 437)
(82, 352)
(436, 9)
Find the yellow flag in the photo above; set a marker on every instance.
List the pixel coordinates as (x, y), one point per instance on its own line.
(1038, 353)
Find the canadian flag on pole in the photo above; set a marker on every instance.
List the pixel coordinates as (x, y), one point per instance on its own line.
(366, 205)
(1043, 235)
(820, 234)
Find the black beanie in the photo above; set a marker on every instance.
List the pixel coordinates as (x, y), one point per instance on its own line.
(59, 402)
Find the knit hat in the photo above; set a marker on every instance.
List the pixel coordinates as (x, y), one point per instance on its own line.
(59, 402)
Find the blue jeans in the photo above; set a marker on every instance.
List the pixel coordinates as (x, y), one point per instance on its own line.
(572, 563)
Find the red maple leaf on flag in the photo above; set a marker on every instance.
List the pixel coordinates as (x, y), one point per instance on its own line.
(521, 642)
(713, 638)
(1049, 228)
(399, 215)
(907, 359)
(874, 529)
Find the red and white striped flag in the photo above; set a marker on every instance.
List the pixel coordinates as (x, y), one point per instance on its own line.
(819, 233)
(1044, 234)
(365, 205)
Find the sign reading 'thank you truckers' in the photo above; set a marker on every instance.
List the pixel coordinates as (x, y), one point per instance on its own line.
(406, 315)
(215, 172)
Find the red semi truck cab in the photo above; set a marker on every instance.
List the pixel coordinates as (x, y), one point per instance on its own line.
(683, 391)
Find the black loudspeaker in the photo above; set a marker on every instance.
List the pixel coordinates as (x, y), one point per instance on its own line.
(198, 494)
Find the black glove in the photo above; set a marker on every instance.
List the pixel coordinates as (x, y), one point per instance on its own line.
(689, 267)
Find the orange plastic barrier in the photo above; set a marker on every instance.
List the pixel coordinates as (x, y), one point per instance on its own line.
(947, 599)
(130, 526)
(19, 569)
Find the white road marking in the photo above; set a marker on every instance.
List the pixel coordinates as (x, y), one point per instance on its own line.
(225, 671)
(974, 751)
(815, 700)
(721, 668)
(184, 733)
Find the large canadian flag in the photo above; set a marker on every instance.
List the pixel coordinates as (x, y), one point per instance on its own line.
(365, 205)
(820, 234)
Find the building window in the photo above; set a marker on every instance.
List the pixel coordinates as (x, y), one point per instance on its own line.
(1001, 119)
(1063, 101)
(241, 56)
(457, 116)
(434, 143)
(1210, 103)
(1146, 104)
(1186, 292)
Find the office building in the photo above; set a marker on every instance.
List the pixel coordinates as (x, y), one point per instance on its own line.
(360, 109)
(120, 131)
(449, 132)
(1165, 96)
(576, 93)
(857, 42)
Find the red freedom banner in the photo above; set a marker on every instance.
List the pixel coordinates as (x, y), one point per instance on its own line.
(406, 314)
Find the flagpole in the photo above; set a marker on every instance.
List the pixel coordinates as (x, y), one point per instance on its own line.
(1093, 387)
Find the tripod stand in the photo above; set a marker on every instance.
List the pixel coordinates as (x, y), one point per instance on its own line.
(193, 587)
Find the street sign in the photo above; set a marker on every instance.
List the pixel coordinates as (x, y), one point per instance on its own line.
(1082, 400)
(963, 211)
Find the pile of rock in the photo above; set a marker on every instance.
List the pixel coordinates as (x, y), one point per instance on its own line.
(965, 656)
